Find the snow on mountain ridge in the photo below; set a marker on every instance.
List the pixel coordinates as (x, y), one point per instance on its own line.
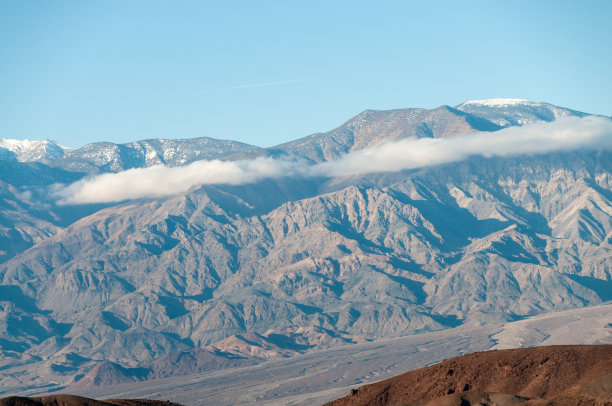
(516, 112)
(28, 150)
(20, 145)
(110, 157)
(365, 129)
(499, 102)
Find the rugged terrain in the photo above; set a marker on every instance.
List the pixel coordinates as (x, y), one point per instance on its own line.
(320, 376)
(282, 266)
(562, 375)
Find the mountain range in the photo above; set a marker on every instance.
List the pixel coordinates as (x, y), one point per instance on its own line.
(240, 273)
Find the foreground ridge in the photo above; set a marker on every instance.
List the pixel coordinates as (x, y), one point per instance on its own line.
(562, 375)
(71, 400)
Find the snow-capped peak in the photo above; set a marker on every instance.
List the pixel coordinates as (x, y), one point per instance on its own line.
(17, 145)
(28, 150)
(21, 145)
(498, 102)
(507, 112)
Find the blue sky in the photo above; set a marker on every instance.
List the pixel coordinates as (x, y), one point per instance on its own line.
(269, 72)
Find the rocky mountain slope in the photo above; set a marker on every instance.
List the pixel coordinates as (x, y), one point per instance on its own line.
(299, 263)
(109, 157)
(511, 112)
(232, 352)
(507, 377)
(372, 127)
(29, 169)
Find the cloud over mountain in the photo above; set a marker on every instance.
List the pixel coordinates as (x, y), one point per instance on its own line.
(570, 133)
(160, 180)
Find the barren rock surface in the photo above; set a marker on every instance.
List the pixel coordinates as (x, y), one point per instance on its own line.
(527, 373)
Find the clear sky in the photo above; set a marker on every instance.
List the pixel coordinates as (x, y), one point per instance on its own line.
(266, 72)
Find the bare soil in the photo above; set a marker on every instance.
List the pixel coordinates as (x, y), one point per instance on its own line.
(553, 375)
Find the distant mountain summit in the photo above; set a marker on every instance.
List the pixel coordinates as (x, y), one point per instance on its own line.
(374, 126)
(31, 151)
(366, 129)
(109, 157)
(512, 112)
(498, 102)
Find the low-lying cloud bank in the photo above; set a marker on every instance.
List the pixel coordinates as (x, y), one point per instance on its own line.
(160, 180)
(566, 134)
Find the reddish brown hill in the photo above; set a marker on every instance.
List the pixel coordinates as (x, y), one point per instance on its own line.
(71, 400)
(560, 373)
(596, 392)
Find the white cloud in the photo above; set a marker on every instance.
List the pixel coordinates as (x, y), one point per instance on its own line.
(562, 135)
(565, 134)
(159, 180)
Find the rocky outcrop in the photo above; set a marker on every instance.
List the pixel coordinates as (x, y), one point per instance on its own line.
(541, 375)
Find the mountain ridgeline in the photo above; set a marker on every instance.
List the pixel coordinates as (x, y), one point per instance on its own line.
(286, 265)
